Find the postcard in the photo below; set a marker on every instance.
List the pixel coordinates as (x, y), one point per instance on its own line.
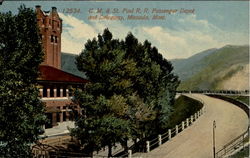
(155, 79)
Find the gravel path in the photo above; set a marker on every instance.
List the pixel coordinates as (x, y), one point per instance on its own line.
(196, 140)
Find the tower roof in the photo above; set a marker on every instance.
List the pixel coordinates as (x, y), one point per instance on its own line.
(51, 74)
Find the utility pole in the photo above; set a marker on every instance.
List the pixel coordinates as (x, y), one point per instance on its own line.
(214, 126)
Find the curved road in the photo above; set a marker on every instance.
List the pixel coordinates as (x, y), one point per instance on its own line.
(196, 140)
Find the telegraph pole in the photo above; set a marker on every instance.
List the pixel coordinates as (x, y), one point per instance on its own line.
(214, 126)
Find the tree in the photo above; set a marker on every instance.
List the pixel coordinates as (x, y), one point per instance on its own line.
(129, 95)
(104, 119)
(155, 84)
(21, 111)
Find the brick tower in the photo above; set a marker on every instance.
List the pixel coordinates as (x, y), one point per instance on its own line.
(50, 25)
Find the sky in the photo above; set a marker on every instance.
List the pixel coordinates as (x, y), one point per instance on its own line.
(203, 25)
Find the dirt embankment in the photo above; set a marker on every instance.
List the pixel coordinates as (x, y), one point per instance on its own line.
(239, 81)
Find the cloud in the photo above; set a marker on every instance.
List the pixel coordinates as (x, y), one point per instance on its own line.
(188, 36)
(77, 28)
(75, 33)
(190, 22)
(170, 45)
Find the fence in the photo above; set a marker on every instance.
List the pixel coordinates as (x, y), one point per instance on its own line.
(170, 134)
(57, 141)
(162, 138)
(44, 148)
(229, 148)
(47, 151)
(221, 92)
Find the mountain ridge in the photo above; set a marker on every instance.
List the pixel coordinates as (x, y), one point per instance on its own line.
(68, 64)
(181, 64)
(215, 69)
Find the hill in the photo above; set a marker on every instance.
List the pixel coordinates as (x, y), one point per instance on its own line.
(186, 68)
(225, 68)
(68, 64)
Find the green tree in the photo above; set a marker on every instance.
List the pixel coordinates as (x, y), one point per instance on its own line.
(105, 116)
(21, 111)
(130, 91)
(155, 82)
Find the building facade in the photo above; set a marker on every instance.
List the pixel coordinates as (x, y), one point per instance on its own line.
(55, 85)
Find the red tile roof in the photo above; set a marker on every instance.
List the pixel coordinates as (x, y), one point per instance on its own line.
(49, 73)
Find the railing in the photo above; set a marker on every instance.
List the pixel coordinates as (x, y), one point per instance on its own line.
(223, 92)
(229, 148)
(40, 150)
(56, 141)
(171, 133)
(45, 148)
(162, 138)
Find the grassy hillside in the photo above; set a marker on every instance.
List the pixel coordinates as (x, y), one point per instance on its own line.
(244, 99)
(214, 71)
(186, 68)
(183, 108)
(68, 64)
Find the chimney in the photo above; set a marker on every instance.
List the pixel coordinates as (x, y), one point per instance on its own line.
(54, 9)
(38, 7)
